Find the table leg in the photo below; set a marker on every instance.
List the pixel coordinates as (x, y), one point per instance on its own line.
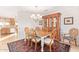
(42, 44)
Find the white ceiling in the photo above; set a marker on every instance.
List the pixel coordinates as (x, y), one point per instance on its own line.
(27, 9)
(38, 9)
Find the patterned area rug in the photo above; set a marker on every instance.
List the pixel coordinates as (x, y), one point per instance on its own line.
(22, 46)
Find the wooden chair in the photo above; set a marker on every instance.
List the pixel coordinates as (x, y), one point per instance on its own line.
(27, 36)
(73, 33)
(35, 39)
(71, 36)
(49, 40)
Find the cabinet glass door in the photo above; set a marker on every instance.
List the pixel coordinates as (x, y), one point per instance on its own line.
(45, 24)
(50, 23)
(54, 22)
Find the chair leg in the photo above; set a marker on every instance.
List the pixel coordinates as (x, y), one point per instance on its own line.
(31, 44)
(75, 42)
(28, 42)
(50, 47)
(69, 42)
(35, 46)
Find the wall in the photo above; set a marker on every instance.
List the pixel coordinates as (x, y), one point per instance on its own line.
(24, 20)
(69, 12)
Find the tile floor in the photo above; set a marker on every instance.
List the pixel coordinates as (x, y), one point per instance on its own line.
(4, 41)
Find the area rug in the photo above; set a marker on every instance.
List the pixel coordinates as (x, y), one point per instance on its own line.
(22, 46)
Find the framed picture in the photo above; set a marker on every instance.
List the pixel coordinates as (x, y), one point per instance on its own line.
(68, 20)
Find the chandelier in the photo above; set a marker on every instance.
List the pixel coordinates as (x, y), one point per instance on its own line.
(36, 17)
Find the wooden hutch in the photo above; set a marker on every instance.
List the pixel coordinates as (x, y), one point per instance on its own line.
(51, 23)
(9, 24)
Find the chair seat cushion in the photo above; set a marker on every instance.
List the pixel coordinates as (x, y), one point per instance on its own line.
(67, 37)
(37, 39)
(48, 40)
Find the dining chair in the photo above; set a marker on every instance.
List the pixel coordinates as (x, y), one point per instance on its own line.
(27, 35)
(35, 39)
(50, 40)
(74, 33)
(71, 36)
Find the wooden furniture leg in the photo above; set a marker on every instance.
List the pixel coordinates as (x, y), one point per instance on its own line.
(31, 44)
(28, 42)
(69, 41)
(75, 42)
(50, 47)
(35, 45)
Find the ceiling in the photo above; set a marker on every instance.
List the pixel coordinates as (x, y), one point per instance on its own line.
(4, 10)
(38, 9)
(30, 9)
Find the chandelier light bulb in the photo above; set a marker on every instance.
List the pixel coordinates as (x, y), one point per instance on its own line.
(36, 17)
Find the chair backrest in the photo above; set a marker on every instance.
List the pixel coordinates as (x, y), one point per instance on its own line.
(37, 28)
(73, 32)
(26, 29)
(32, 32)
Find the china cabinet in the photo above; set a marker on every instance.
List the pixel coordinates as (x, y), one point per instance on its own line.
(51, 23)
